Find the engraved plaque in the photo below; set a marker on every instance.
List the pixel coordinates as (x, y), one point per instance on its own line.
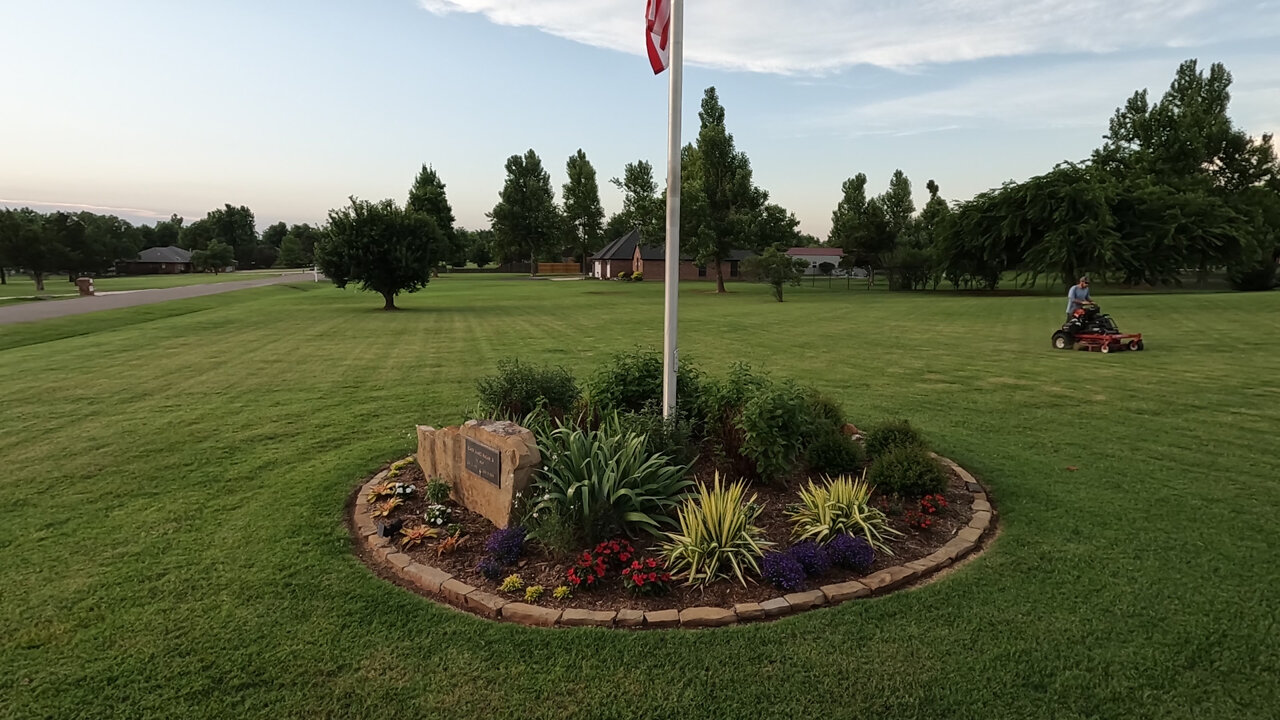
(483, 461)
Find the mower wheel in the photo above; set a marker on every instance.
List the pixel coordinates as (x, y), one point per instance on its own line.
(1139, 345)
(1106, 347)
(1134, 345)
(1061, 341)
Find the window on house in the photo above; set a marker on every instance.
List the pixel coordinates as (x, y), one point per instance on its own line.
(733, 268)
(702, 271)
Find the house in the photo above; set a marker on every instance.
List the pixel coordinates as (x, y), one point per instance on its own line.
(158, 261)
(815, 256)
(616, 257)
(651, 260)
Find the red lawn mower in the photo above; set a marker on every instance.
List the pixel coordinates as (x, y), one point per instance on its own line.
(1090, 329)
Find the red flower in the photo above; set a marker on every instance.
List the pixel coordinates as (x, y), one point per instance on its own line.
(626, 571)
(639, 579)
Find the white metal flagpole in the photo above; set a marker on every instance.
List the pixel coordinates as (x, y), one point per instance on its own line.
(670, 350)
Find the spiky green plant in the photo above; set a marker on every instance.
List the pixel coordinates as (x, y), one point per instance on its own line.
(717, 538)
(840, 506)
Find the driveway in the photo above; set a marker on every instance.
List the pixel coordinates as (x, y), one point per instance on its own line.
(34, 311)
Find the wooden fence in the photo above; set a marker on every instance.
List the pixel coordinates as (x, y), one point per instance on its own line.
(559, 268)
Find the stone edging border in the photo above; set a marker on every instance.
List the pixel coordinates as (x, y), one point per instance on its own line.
(441, 586)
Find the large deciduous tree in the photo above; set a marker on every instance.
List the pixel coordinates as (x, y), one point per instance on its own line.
(526, 221)
(582, 210)
(274, 235)
(381, 246)
(217, 256)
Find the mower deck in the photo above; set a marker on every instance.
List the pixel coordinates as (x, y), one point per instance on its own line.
(1108, 343)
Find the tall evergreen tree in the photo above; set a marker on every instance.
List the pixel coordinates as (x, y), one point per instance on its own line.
(427, 195)
(643, 207)
(526, 221)
(582, 210)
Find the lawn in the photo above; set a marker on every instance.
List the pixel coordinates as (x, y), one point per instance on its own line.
(171, 510)
(57, 285)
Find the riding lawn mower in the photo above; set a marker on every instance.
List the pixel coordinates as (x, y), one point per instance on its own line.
(1090, 329)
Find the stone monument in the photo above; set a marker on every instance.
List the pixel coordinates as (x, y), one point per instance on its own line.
(485, 462)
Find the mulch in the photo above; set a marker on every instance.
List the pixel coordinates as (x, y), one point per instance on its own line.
(538, 567)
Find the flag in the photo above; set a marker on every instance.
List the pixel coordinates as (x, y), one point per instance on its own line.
(658, 33)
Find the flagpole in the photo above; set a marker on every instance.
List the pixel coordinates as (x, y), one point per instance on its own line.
(670, 350)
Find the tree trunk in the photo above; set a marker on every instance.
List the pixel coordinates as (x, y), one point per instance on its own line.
(39, 278)
(719, 277)
(3, 279)
(533, 265)
(777, 291)
(390, 299)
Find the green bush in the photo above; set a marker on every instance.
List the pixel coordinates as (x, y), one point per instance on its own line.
(907, 471)
(631, 381)
(518, 389)
(774, 424)
(834, 453)
(716, 538)
(637, 277)
(625, 276)
(888, 436)
(840, 507)
(602, 485)
(662, 436)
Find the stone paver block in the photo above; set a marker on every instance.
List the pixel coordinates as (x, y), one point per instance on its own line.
(662, 618)
(805, 600)
(573, 617)
(456, 591)
(399, 559)
(940, 559)
(426, 577)
(980, 520)
(973, 487)
(487, 604)
(630, 618)
(377, 542)
(889, 578)
(706, 617)
(382, 552)
(964, 474)
(981, 506)
(957, 548)
(530, 615)
(841, 592)
(970, 533)
(776, 607)
(748, 611)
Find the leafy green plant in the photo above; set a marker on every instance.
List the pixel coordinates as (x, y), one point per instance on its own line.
(512, 583)
(773, 424)
(437, 491)
(716, 538)
(907, 471)
(533, 593)
(385, 508)
(603, 485)
(637, 277)
(888, 436)
(631, 381)
(562, 592)
(836, 507)
(518, 389)
(832, 453)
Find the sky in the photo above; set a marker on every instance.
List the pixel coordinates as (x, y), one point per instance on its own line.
(143, 109)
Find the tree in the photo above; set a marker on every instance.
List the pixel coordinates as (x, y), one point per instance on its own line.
(196, 236)
(724, 204)
(427, 195)
(274, 235)
(582, 210)
(388, 250)
(217, 256)
(775, 267)
(897, 203)
(166, 233)
(642, 207)
(23, 244)
(307, 236)
(777, 226)
(526, 220)
(291, 255)
(235, 226)
(95, 247)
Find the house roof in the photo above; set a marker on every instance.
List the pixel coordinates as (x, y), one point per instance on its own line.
(168, 254)
(816, 251)
(623, 248)
(659, 253)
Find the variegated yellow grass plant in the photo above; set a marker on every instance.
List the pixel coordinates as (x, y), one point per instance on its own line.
(840, 506)
(716, 538)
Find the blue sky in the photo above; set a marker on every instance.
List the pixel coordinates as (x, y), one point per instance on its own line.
(147, 108)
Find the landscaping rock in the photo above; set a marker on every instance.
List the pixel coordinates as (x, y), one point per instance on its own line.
(973, 487)
(399, 559)
(970, 534)
(748, 611)
(889, 578)
(980, 520)
(487, 604)
(776, 607)
(530, 615)
(630, 618)
(662, 618)
(706, 617)
(426, 577)
(805, 600)
(841, 592)
(573, 617)
(981, 505)
(456, 591)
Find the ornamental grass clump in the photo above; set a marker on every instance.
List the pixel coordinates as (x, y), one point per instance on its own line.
(851, 553)
(836, 507)
(717, 537)
(782, 571)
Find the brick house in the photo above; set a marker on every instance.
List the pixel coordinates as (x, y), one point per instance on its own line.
(157, 261)
(616, 257)
(651, 260)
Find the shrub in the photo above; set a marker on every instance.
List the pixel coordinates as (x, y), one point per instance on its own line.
(587, 571)
(837, 507)
(490, 568)
(625, 275)
(533, 593)
(811, 556)
(851, 553)
(888, 436)
(824, 414)
(604, 485)
(518, 389)
(833, 453)
(437, 491)
(646, 577)
(637, 277)
(716, 538)
(773, 423)
(666, 436)
(909, 472)
(505, 545)
(631, 382)
(783, 571)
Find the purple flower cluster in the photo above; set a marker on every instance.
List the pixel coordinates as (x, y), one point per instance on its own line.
(505, 545)
(851, 553)
(781, 569)
(811, 556)
(490, 568)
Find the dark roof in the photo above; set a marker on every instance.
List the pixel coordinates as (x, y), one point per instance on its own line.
(816, 251)
(169, 254)
(624, 248)
(659, 253)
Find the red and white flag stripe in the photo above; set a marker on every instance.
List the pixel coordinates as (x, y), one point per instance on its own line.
(658, 33)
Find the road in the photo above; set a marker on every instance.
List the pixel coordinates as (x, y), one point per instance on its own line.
(33, 311)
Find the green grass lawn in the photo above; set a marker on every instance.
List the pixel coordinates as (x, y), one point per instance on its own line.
(172, 538)
(54, 285)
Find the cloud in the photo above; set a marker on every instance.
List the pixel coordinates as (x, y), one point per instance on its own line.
(817, 37)
(126, 213)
